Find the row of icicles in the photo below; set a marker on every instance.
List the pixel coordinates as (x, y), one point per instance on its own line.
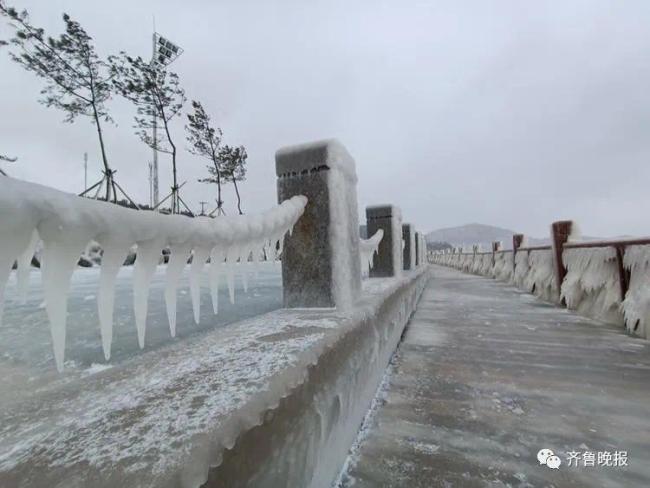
(65, 224)
(221, 261)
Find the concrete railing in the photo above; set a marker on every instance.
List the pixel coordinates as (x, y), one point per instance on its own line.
(309, 435)
(275, 401)
(607, 280)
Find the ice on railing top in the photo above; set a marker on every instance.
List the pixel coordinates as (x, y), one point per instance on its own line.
(67, 224)
(310, 157)
(368, 248)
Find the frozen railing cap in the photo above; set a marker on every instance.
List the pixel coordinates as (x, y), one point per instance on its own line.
(382, 211)
(314, 156)
(67, 224)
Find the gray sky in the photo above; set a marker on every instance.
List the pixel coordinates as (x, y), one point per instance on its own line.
(510, 113)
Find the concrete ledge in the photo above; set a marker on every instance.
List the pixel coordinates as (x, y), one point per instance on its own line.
(304, 441)
(270, 402)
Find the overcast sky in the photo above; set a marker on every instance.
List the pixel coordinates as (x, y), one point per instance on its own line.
(510, 113)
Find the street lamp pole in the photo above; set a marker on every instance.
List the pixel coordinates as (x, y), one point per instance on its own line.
(164, 52)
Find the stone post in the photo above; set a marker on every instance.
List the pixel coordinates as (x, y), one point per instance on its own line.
(320, 263)
(560, 232)
(423, 250)
(496, 247)
(517, 241)
(388, 260)
(409, 255)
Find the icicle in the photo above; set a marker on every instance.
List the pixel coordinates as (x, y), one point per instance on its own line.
(175, 266)
(14, 238)
(231, 259)
(256, 260)
(59, 261)
(146, 260)
(198, 262)
(24, 267)
(269, 248)
(216, 261)
(112, 260)
(243, 268)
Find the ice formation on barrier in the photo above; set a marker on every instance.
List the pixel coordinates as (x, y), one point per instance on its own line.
(67, 224)
(481, 264)
(540, 278)
(475, 264)
(636, 305)
(591, 285)
(521, 268)
(367, 249)
(485, 268)
(504, 266)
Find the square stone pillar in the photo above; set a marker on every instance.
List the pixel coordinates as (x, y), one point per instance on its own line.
(409, 254)
(388, 260)
(320, 263)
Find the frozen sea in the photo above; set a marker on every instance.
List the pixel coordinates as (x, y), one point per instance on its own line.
(26, 356)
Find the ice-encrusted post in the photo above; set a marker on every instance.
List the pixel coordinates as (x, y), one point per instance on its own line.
(320, 262)
(623, 278)
(417, 249)
(496, 247)
(560, 232)
(517, 241)
(388, 260)
(409, 256)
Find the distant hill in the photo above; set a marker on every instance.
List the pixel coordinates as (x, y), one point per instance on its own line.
(478, 234)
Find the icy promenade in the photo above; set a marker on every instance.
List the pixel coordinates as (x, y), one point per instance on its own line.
(486, 376)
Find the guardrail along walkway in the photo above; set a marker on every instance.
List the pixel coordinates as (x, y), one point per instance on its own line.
(487, 376)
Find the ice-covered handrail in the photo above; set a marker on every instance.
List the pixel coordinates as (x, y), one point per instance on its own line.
(67, 224)
(367, 249)
(636, 305)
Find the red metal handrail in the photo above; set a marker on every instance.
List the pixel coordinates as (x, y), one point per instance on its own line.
(535, 248)
(642, 241)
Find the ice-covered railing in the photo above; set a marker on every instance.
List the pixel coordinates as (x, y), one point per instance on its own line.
(611, 281)
(607, 280)
(67, 224)
(636, 305)
(367, 249)
(591, 285)
(503, 266)
(534, 271)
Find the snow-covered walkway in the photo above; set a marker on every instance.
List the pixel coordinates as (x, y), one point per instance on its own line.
(487, 376)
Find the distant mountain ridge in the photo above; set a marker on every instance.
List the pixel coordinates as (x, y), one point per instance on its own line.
(481, 234)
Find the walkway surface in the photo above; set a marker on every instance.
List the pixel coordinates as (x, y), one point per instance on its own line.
(486, 377)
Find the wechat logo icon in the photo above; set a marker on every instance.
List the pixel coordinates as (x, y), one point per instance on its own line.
(548, 458)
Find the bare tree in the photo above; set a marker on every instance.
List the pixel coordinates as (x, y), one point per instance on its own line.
(234, 167)
(157, 94)
(204, 140)
(77, 81)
